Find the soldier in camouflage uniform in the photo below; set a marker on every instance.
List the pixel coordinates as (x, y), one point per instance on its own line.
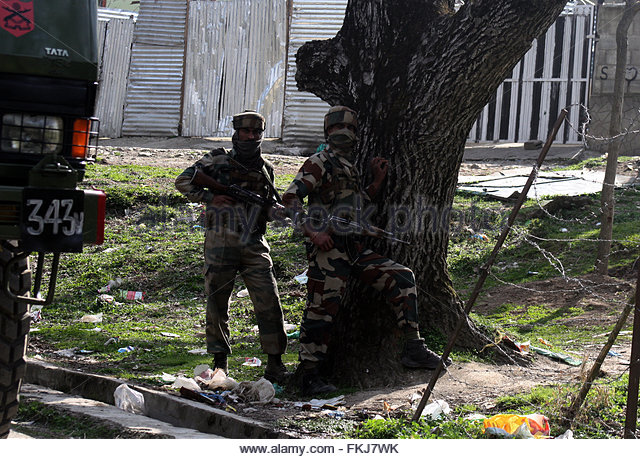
(333, 186)
(235, 242)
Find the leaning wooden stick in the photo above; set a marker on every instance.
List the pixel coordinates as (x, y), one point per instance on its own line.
(634, 368)
(571, 412)
(484, 270)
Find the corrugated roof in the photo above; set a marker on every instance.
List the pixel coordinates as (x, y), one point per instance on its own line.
(104, 14)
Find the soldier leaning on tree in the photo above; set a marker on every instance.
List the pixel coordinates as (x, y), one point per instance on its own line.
(235, 242)
(333, 186)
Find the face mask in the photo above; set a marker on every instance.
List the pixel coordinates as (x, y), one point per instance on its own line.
(247, 150)
(343, 139)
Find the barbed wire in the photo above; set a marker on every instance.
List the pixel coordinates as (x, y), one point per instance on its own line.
(585, 287)
(554, 259)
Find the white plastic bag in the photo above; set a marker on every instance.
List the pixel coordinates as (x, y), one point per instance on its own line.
(302, 278)
(568, 435)
(128, 399)
(252, 362)
(204, 371)
(436, 409)
(189, 383)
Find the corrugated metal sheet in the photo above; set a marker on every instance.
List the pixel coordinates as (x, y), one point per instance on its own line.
(303, 111)
(104, 14)
(115, 38)
(235, 61)
(155, 78)
(161, 22)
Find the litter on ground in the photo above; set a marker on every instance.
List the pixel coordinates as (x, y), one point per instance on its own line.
(92, 318)
(252, 362)
(317, 404)
(517, 426)
(128, 399)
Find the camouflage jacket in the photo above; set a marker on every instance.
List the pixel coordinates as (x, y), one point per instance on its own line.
(332, 185)
(221, 165)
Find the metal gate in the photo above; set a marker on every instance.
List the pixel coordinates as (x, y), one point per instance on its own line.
(554, 74)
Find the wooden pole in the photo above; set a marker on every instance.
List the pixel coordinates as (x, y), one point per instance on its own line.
(577, 402)
(634, 369)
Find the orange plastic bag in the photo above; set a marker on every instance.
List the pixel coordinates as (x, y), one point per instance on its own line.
(537, 423)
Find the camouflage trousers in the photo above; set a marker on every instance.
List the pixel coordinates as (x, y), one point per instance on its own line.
(225, 257)
(328, 273)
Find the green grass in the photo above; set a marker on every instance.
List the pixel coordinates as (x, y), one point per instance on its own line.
(602, 415)
(154, 244)
(42, 421)
(592, 163)
(562, 245)
(455, 425)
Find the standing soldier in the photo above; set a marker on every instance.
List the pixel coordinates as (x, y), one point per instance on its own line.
(235, 241)
(334, 188)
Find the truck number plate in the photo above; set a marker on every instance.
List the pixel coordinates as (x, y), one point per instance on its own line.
(52, 220)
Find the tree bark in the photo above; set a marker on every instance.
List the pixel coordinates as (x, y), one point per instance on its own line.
(418, 73)
(607, 202)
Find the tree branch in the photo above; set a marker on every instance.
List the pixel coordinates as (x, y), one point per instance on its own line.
(323, 69)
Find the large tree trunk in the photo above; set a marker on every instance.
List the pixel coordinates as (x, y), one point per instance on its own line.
(418, 74)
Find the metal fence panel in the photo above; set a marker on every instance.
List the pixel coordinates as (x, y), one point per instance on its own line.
(554, 74)
(155, 78)
(235, 61)
(303, 111)
(115, 36)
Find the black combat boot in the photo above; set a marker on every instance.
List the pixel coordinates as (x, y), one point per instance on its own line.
(416, 355)
(220, 361)
(276, 372)
(313, 384)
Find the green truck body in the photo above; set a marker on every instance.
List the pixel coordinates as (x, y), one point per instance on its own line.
(48, 83)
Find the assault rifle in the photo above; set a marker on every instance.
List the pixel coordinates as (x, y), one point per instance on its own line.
(246, 196)
(233, 191)
(358, 228)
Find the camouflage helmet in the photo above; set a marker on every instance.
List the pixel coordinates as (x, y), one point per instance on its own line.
(248, 119)
(340, 114)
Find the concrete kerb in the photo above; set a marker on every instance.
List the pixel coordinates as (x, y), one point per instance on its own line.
(175, 410)
(128, 425)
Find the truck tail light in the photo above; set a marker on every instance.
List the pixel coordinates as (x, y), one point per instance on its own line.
(80, 142)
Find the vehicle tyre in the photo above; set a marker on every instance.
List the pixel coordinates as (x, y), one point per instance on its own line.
(14, 332)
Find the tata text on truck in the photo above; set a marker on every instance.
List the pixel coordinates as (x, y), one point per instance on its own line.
(48, 83)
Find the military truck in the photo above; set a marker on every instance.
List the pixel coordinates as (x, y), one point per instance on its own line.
(48, 83)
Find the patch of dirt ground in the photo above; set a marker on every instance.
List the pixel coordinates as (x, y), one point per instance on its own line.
(601, 299)
(463, 382)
